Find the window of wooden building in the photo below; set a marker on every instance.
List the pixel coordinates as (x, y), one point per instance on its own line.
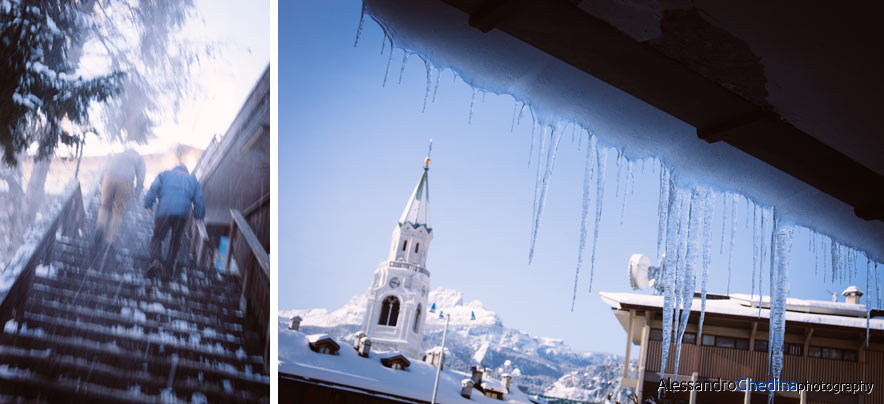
(708, 340)
(761, 345)
(689, 337)
(793, 349)
(656, 335)
(831, 353)
(726, 342)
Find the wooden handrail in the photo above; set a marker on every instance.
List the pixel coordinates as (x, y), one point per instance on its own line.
(242, 226)
(18, 276)
(255, 284)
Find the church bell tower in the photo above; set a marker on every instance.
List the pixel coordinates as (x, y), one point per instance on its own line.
(397, 303)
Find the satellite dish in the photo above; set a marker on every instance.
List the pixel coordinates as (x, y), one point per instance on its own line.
(642, 274)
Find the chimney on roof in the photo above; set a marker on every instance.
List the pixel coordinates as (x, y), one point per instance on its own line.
(852, 295)
(364, 347)
(506, 378)
(295, 323)
(466, 388)
(434, 356)
(356, 339)
(476, 377)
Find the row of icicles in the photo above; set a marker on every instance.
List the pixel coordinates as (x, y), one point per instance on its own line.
(684, 226)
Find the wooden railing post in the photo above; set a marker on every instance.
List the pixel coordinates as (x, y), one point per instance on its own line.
(254, 271)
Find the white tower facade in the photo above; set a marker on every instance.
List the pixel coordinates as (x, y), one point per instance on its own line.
(397, 305)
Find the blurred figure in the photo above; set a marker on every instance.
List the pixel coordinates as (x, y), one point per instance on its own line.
(116, 190)
(177, 191)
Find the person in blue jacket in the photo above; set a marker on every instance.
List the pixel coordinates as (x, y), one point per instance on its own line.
(175, 192)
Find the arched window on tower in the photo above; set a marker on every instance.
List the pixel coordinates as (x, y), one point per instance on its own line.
(389, 311)
(417, 318)
(416, 246)
(404, 244)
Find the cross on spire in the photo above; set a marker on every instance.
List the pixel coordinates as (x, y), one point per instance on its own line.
(427, 160)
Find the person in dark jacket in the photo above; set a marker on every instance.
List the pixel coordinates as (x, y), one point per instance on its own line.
(175, 193)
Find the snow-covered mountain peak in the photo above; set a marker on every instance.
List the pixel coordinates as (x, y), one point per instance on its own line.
(450, 301)
(350, 313)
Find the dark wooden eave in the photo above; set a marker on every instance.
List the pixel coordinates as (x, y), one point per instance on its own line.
(562, 30)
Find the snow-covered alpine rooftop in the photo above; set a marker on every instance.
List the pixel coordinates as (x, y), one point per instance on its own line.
(797, 310)
(369, 376)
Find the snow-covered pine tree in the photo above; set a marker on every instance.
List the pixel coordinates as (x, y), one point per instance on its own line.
(38, 85)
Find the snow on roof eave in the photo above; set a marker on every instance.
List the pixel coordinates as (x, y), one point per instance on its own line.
(733, 308)
(558, 92)
(609, 300)
(805, 306)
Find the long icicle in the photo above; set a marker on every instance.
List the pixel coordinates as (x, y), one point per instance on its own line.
(878, 285)
(436, 86)
(389, 62)
(619, 169)
(533, 126)
(472, 105)
(555, 136)
(707, 254)
(662, 211)
(773, 241)
(361, 23)
(515, 112)
(429, 80)
(782, 252)
(755, 251)
(696, 216)
(673, 219)
(761, 263)
(626, 191)
(602, 163)
(402, 67)
(584, 212)
(730, 252)
(723, 223)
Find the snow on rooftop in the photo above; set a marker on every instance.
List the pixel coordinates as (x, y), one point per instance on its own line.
(314, 338)
(493, 385)
(350, 369)
(797, 310)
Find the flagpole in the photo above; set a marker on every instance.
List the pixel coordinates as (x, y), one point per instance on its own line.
(441, 359)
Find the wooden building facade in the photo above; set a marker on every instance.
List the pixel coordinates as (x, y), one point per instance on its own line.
(825, 342)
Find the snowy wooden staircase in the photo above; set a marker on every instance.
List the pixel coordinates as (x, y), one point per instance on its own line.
(109, 334)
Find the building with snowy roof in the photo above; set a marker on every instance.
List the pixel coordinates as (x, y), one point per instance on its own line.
(310, 375)
(395, 316)
(824, 342)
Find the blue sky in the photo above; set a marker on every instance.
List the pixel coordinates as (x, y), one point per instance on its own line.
(224, 79)
(351, 151)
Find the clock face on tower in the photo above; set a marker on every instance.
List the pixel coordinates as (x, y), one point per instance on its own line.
(394, 283)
